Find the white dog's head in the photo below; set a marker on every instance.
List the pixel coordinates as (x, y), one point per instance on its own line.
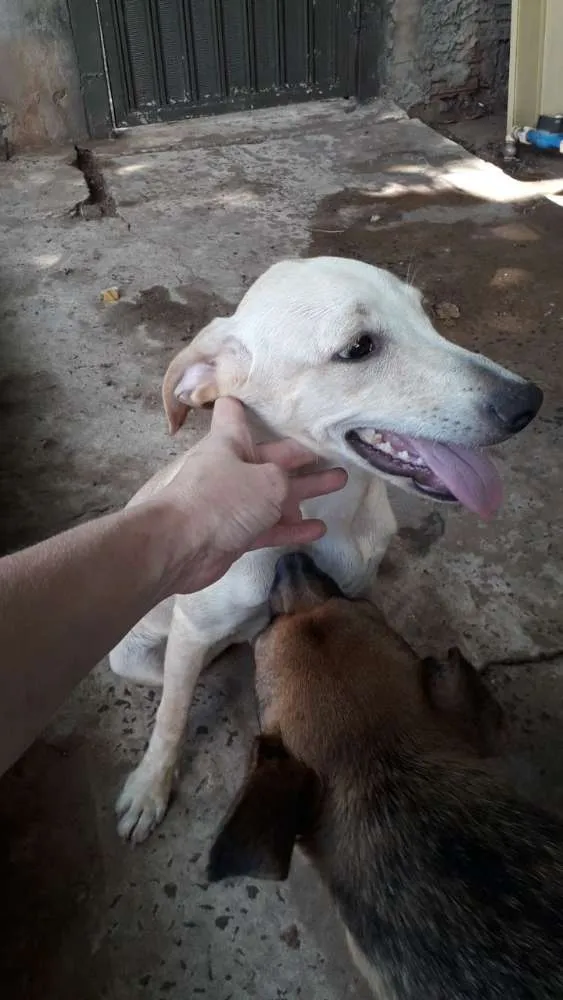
(341, 356)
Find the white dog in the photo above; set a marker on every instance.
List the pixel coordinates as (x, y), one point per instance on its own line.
(342, 357)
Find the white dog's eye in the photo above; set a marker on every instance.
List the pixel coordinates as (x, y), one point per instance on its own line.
(360, 349)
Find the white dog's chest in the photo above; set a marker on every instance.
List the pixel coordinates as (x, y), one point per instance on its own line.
(346, 564)
(360, 524)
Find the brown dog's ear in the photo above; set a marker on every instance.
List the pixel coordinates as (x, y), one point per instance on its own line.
(211, 366)
(274, 806)
(456, 689)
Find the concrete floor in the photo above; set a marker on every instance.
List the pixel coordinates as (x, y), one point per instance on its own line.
(205, 207)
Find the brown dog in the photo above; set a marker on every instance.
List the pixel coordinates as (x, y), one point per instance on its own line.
(450, 886)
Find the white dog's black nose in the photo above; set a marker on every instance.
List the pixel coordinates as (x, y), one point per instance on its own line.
(513, 408)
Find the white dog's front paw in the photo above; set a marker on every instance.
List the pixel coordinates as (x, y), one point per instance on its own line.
(143, 803)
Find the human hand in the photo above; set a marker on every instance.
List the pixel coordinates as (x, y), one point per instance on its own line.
(231, 495)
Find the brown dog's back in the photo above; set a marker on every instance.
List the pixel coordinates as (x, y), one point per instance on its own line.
(449, 886)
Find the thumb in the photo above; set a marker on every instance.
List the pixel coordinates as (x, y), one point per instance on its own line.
(229, 420)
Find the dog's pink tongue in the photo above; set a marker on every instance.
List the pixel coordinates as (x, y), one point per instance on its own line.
(469, 475)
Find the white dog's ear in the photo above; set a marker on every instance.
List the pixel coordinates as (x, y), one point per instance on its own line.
(214, 364)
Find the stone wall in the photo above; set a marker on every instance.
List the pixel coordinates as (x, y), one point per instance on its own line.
(40, 97)
(447, 48)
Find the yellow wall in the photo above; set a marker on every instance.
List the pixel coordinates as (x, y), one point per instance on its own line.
(536, 61)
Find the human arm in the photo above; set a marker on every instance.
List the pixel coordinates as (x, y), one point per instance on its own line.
(66, 602)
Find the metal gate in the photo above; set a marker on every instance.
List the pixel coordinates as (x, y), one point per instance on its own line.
(145, 61)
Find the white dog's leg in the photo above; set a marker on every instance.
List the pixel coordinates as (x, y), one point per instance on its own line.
(144, 799)
(139, 657)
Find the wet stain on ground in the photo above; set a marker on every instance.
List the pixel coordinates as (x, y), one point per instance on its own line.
(421, 538)
(507, 287)
(502, 275)
(167, 319)
(377, 211)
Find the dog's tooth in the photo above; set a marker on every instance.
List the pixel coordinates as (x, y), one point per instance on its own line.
(370, 436)
(404, 456)
(386, 448)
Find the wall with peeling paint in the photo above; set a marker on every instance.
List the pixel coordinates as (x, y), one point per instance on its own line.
(39, 86)
(445, 48)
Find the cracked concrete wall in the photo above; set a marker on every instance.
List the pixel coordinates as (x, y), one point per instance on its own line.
(40, 97)
(442, 48)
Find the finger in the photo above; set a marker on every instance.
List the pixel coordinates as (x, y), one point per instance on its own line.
(229, 420)
(316, 484)
(291, 534)
(227, 413)
(288, 454)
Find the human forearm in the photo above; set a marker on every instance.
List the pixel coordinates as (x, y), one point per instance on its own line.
(65, 603)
